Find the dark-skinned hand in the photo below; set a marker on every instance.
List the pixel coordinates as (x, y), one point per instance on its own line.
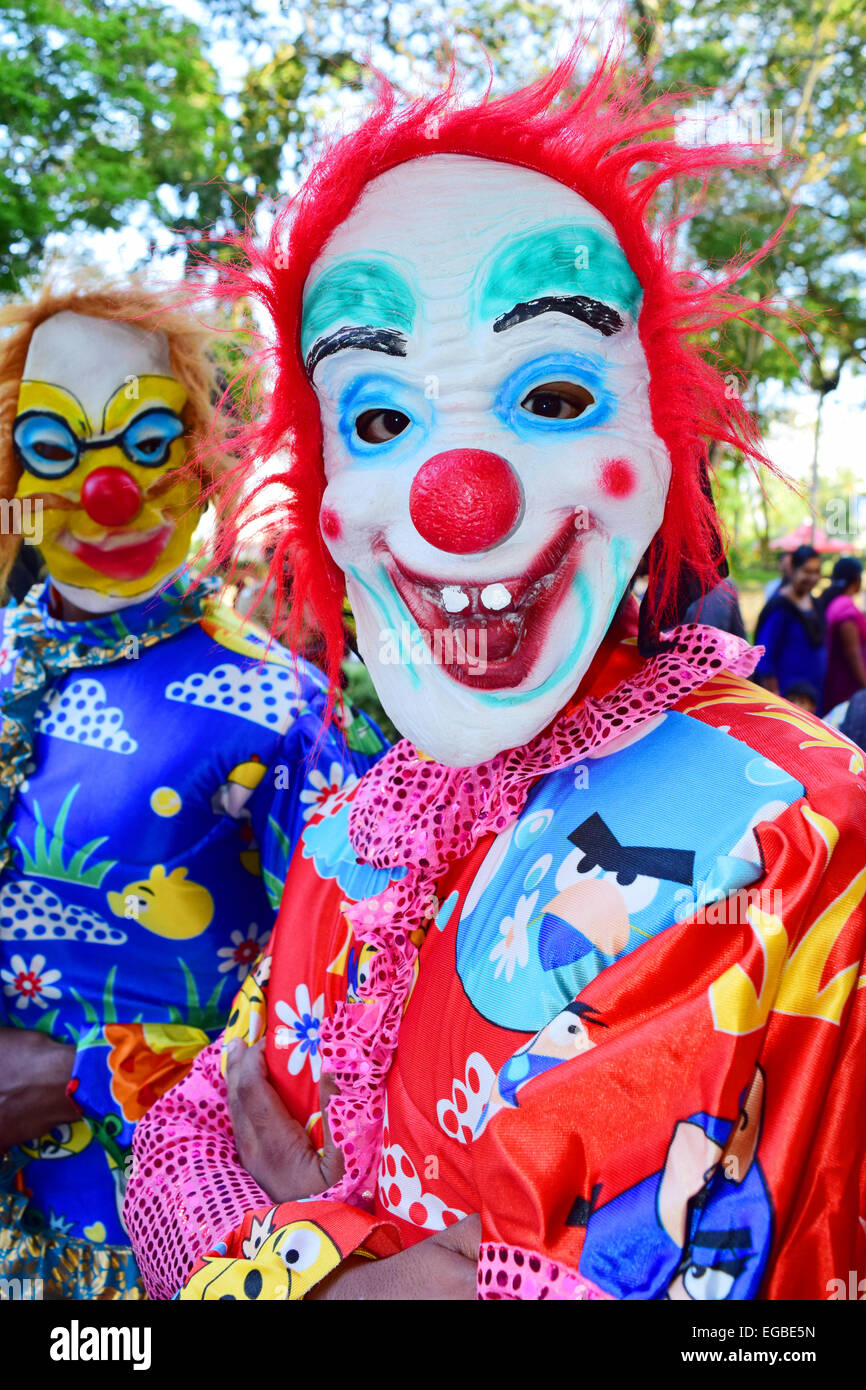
(34, 1074)
(274, 1148)
(278, 1152)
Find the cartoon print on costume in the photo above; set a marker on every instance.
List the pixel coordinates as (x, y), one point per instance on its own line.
(79, 713)
(244, 950)
(249, 1010)
(169, 904)
(87, 883)
(701, 1228)
(326, 842)
(30, 983)
(565, 1037)
(270, 697)
(147, 1059)
(277, 1265)
(460, 1115)
(299, 1029)
(402, 1193)
(590, 875)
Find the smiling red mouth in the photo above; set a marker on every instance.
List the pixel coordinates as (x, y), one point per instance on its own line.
(488, 635)
(118, 559)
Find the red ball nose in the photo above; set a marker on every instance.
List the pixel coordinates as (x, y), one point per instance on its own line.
(465, 500)
(111, 496)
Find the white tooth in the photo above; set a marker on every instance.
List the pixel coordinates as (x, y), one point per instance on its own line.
(453, 599)
(495, 596)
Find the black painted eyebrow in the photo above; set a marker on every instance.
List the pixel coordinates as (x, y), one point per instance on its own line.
(578, 306)
(386, 340)
(723, 1240)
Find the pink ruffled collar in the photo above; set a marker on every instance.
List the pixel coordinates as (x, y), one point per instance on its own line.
(416, 814)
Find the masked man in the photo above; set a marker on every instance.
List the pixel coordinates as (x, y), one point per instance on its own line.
(585, 945)
(155, 769)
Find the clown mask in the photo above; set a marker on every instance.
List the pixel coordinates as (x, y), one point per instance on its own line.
(493, 476)
(99, 438)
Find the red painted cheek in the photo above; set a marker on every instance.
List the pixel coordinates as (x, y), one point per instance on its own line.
(617, 478)
(331, 526)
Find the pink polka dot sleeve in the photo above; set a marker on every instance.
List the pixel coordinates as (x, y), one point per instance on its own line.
(188, 1188)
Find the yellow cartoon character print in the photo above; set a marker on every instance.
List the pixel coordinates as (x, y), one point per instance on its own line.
(277, 1265)
(168, 904)
(249, 1010)
(64, 1141)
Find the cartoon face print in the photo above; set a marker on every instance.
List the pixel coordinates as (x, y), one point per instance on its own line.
(565, 1037)
(168, 904)
(595, 868)
(278, 1264)
(699, 1229)
(99, 436)
(493, 475)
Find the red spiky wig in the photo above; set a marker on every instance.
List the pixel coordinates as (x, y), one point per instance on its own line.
(616, 148)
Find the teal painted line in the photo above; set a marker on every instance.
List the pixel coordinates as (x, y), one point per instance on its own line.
(357, 292)
(389, 622)
(573, 258)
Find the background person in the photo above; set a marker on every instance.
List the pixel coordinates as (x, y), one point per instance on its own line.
(846, 633)
(791, 628)
(157, 761)
(783, 577)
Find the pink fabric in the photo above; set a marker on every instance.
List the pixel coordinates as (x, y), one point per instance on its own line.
(188, 1188)
(414, 813)
(511, 1272)
(840, 683)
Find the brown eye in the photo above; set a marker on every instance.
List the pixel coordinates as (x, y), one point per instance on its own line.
(53, 453)
(150, 446)
(558, 400)
(378, 426)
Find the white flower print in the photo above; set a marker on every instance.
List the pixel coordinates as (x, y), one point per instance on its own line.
(300, 1029)
(32, 983)
(513, 949)
(242, 952)
(320, 789)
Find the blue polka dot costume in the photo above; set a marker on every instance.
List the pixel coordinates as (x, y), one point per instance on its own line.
(148, 847)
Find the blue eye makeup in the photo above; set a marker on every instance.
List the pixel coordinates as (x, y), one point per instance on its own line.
(558, 393)
(47, 446)
(377, 414)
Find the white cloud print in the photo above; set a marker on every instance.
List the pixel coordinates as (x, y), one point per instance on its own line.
(79, 714)
(266, 695)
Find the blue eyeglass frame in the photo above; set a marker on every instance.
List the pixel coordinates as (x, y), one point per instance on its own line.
(79, 446)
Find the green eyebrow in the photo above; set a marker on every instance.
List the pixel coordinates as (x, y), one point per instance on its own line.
(355, 291)
(571, 259)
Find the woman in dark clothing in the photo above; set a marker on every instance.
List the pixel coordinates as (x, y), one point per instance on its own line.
(791, 628)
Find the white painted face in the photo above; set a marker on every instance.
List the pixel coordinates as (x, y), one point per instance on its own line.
(493, 477)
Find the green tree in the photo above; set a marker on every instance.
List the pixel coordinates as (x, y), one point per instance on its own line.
(103, 106)
(793, 78)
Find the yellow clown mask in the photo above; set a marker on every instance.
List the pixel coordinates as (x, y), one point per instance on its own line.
(100, 441)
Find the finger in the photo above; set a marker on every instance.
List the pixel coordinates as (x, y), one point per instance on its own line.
(333, 1163)
(464, 1237)
(254, 1105)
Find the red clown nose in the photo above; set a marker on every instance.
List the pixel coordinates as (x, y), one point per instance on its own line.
(465, 500)
(110, 496)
